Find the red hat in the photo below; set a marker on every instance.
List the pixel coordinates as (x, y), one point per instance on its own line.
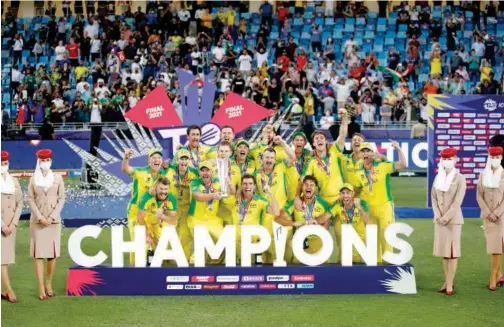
(44, 154)
(448, 153)
(5, 156)
(493, 151)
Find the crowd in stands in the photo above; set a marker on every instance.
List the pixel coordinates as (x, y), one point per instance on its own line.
(308, 57)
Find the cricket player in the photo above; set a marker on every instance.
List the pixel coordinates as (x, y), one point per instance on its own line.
(351, 162)
(269, 140)
(227, 134)
(205, 200)
(180, 175)
(302, 154)
(158, 210)
(197, 151)
(143, 179)
(314, 209)
(325, 167)
(227, 205)
(349, 210)
(374, 186)
(273, 175)
(242, 159)
(252, 208)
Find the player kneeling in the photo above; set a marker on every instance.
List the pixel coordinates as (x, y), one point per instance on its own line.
(314, 211)
(349, 210)
(158, 210)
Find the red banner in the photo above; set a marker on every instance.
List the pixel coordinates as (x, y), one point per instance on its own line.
(239, 113)
(155, 111)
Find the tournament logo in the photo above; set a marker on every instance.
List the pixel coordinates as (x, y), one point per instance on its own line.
(490, 105)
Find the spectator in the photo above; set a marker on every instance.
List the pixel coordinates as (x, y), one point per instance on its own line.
(46, 131)
(353, 127)
(418, 130)
(327, 120)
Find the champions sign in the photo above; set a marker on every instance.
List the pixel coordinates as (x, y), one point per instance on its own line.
(170, 248)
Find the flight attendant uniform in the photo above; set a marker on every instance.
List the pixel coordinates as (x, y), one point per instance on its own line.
(46, 197)
(12, 205)
(490, 197)
(447, 204)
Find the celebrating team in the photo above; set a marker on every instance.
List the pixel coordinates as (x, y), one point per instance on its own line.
(267, 183)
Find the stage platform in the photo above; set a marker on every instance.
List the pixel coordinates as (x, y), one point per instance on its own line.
(111, 211)
(257, 280)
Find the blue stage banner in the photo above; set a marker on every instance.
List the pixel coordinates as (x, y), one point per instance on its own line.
(23, 152)
(466, 123)
(257, 280)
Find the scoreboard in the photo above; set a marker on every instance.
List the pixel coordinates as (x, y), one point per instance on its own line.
(466, 123)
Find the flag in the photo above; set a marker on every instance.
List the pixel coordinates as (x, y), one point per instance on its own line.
(155, 111)
(395, 75)
(239, 113)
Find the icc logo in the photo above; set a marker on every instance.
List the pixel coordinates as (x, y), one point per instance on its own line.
(490, 105)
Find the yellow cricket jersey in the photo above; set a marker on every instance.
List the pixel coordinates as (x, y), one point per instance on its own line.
(329, 174)
(150, 204)
(303, 160)
(350, 166)
(204, 210)
(251, 213)
(256, 153)
(350, 216)
(292, 176)
(374, 184)
(142, 181)
(180, 184)
(201, 153)
(247, 167)
(310, 211)
(277, 180)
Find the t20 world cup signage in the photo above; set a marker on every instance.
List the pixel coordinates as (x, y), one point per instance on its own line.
(164, 127)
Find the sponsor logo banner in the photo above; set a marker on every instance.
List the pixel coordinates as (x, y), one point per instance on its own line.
(192, 287)
(257, 278)
(267, 286)
(211, 287)
(305, 285)
(177, 279)
(278, 278)
(290, 286)
(303, 278)
(248, 286)
(175, 287)
(228, 279)
(229, 287)
(480, 122)
(202, 279)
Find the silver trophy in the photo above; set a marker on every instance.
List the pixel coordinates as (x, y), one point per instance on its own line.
(222, 175)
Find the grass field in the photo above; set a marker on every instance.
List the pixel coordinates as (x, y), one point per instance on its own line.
(471, 305)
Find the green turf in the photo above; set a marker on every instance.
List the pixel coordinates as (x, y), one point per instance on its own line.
(472, 304)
